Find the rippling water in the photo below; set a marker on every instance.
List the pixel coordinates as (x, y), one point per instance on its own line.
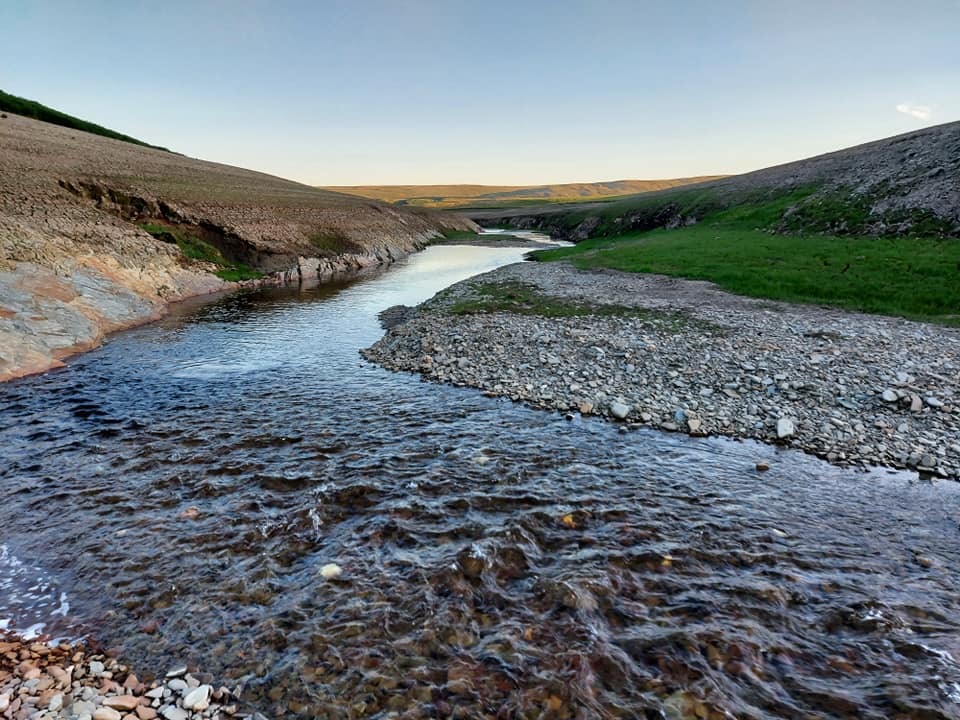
(177, 492)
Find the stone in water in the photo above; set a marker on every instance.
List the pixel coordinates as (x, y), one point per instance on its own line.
(330, 571)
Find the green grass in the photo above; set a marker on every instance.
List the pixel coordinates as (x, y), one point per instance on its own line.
(460, 235)
(915, 277)
(238, 272)
(808, 209)
(523, 299)
(38, 111)
(197, 249)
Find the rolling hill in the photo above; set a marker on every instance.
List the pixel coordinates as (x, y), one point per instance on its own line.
(449, 197)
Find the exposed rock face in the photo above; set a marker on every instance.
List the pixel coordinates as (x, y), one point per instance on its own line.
(74, 265)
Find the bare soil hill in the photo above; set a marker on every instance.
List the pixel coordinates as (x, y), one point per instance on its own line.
(487, 196)
(76, 263)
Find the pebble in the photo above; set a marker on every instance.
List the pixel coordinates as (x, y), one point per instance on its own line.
(785, 428)
(177, 685)
(331, 571)
(619, 410)
(49, 681)
(198, 698)
(172, 712)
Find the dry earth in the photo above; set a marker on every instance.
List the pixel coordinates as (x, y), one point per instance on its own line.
(74, 265)
(685, 356)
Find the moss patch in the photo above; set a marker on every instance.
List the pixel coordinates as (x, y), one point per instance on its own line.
(197, 249)
(523, 299)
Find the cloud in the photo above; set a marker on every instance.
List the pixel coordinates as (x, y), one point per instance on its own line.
(921, 112)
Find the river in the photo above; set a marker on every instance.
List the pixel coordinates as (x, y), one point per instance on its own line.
(175, 494)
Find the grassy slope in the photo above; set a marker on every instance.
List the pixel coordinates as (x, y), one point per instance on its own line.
(916, 277)
(473, 196)
(38, 111)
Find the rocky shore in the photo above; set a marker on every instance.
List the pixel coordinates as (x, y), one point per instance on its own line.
(48, 314)
(71, 682)
(685, 356)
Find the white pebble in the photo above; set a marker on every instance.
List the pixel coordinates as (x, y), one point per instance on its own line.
(330, 571)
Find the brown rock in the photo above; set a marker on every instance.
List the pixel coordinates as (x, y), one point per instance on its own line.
(62, 677)
(145, 713)
(106, 713)
(108, 686)
(122, 702)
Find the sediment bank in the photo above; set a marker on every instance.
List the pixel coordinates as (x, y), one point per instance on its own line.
(684, 356)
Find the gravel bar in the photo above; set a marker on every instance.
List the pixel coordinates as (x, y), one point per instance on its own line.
(685, 356)
(43, 681)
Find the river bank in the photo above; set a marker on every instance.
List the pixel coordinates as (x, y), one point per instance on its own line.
(99, 235)
(48, 680)
(684, 356)
(50, 314)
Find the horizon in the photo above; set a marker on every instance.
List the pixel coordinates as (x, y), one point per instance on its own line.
(407, 93)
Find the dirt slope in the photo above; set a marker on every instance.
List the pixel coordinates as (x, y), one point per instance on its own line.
(74, 263)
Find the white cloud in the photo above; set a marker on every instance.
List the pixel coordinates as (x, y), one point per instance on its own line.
(921, 112)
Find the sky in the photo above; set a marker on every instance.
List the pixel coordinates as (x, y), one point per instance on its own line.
(350, 92)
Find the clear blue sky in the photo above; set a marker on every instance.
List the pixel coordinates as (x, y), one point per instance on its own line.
(442, 91)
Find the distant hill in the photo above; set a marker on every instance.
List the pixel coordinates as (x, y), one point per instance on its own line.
(37, 111)
(495, 196)
(904, 185)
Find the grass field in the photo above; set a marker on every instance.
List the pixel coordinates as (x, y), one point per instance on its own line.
(915, 277)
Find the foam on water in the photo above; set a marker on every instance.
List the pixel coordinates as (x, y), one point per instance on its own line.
(32, 603)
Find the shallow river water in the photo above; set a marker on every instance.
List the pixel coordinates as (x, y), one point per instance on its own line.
(177, 492)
